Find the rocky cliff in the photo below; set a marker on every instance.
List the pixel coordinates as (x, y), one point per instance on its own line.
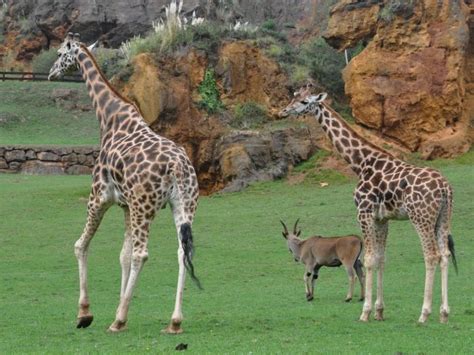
(224, 157)
(32, 26)
(413, 81)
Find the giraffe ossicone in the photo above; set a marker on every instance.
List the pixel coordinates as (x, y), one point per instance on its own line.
(389, 188)
(138, 170)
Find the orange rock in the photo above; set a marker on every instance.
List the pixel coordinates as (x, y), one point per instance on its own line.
(409, 83)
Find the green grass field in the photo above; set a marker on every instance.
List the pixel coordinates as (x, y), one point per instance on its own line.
(28, 115)
(253, 299)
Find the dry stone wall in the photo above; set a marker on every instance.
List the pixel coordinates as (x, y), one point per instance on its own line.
(48, 159)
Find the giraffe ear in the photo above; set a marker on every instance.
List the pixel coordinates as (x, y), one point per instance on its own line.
(92, 46)
(321, 97)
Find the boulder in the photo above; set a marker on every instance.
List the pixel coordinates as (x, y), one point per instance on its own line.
(79, 170)
(48, 156)
(409, 83)
(37, 167)
(15, 155)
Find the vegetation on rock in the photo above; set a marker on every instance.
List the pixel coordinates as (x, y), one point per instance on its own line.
(210, 98)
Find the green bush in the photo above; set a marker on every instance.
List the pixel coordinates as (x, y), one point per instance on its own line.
(249, 115)
(43, 62)
(210, 98)
(325, 64)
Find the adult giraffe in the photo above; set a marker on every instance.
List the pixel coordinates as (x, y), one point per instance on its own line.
(389, 188)
(138, 170)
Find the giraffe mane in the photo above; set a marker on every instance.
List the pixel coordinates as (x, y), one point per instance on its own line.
(357, 135)
(107, 82)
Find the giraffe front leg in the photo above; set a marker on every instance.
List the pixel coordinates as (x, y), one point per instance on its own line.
(379, 303)
(381, 230)
(95, 212)
(367, 225)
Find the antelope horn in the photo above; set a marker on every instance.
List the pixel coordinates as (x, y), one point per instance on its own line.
(294, 228)
(284, 226)
(70, 35)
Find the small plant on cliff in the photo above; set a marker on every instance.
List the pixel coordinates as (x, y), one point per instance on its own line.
(210, 98)
(249, 115)
(393, 8)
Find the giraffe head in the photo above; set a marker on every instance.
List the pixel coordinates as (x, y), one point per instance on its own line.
(303, 102)
(66, 61)
(292, 239)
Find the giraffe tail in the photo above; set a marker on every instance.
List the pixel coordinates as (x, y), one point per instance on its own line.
(188, 248)
(451, 250)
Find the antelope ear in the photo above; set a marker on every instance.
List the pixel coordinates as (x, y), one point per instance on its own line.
(321, 97)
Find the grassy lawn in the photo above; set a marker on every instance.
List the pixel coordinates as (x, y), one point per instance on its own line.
(253, 298)
(28, 115)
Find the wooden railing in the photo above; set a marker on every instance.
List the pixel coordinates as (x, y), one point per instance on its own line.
(32, 76)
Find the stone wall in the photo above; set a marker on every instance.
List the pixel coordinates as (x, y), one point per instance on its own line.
(48, 159)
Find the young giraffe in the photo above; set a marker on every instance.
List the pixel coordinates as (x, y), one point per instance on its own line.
(138, 170)
(389, 188)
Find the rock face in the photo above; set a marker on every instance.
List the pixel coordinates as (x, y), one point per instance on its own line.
(409, 83)
(167, 94)
(115, 21)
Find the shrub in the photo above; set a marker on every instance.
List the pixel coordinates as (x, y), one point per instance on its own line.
(210, 98)
(393, 8)
(325, 65)
(249, 115)
(43, 62)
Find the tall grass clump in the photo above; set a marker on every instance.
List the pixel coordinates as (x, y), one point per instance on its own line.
(166, 36)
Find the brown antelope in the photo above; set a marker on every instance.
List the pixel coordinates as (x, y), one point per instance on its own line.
(318, 251)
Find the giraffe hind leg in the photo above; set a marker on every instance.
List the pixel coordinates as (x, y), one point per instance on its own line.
(183, 213)
(426, 232)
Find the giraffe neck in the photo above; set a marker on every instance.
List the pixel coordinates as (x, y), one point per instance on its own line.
(112, 109)
(355, 150)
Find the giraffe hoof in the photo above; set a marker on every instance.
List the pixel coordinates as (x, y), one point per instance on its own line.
(348, 299)
(443, 317)
(117, 327)
(84, 321)
(364, 317)
(173, 328)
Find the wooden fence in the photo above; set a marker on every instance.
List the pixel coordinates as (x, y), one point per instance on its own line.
(31, 76)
